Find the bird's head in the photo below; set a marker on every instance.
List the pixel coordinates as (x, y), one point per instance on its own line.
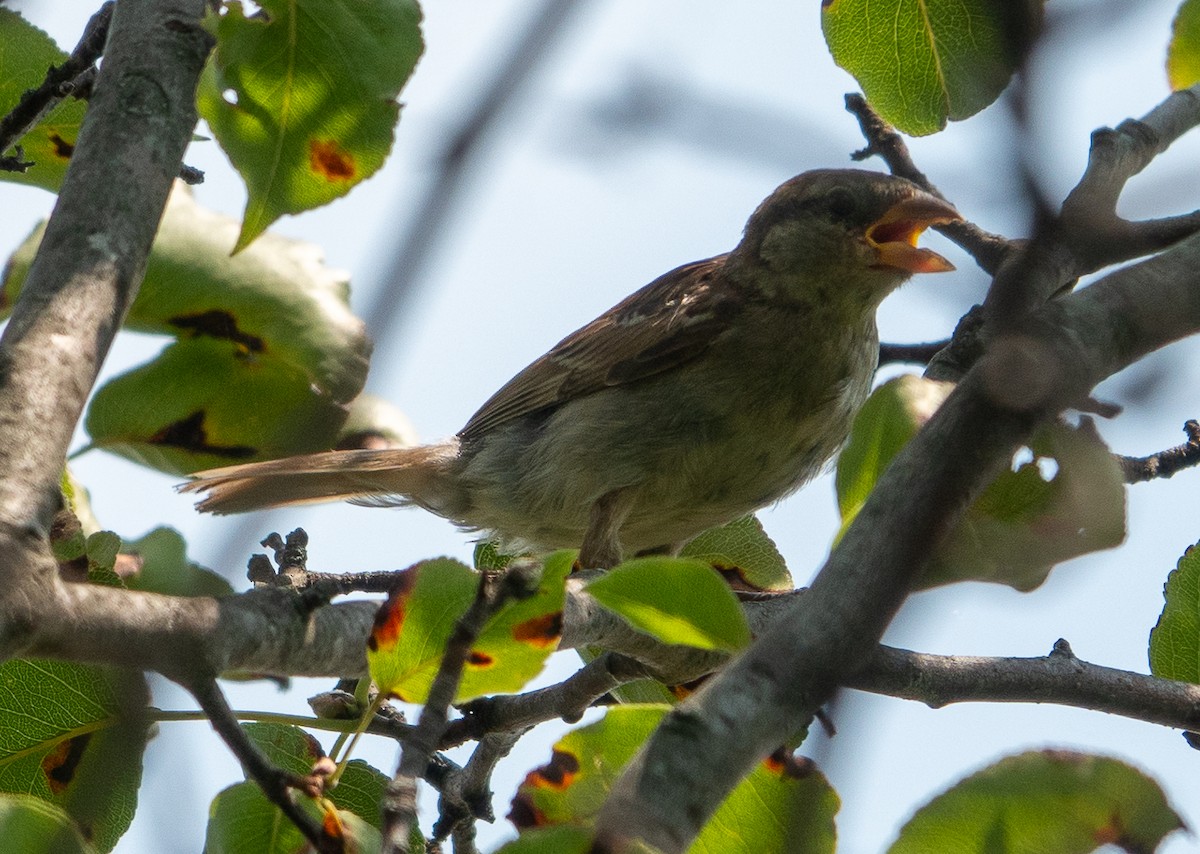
(847, 229)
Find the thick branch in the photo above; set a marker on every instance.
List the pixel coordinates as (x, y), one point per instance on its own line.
(87, 271)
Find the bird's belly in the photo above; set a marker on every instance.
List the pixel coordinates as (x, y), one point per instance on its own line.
(690, 464)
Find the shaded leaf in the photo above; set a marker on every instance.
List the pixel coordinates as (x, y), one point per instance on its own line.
(163, 567)
(1183, 53)
(242, 821)
(775, 808)
(744, 555)
(1068, 499)
(58, 741)
(1043, 801)
(33, 826)
(26, 53)
(921, 63)
(1175, 640)
(361, 787)
(677, 600)
(303, 97)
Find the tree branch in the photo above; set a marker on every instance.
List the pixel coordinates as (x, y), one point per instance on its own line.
(1164, 463)
(1060, 677)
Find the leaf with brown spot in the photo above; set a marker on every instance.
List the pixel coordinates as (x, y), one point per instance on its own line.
(743, 553)
(520, 638)
(59, 743)
(329, 160)
(1051, 800)
(28, 52)
(270, 355)
(542, 632)
(791, 811)
(480, 660)
(313, 107)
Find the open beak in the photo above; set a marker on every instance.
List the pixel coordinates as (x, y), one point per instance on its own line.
(894, 235)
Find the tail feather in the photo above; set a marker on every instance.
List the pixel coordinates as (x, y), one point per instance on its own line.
(420, 475)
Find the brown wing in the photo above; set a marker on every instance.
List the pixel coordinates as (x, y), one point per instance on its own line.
(669, 322)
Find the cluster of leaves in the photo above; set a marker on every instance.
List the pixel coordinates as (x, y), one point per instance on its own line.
(302, 97)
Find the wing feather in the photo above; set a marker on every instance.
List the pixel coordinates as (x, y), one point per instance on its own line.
(669, 322)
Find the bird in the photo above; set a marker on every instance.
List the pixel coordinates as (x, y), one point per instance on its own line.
(715, 390)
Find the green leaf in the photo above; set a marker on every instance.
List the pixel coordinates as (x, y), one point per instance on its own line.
(276, 302)
(1175, 640)
(922, 62)
(677, 600)
(303, 97)
(164, 567)
(744, 555)
(375, 423)
(515, 643)
(361, 787)
(26, 53)
(1043, 801)
(583, 766)
(1068, 500)
(200, 405)
(270, 354)
(32, 826)
(60, 742)
(1183, 53)
(564, 839)
(775, 808)
(102, 549)
(242, 821)
(413, 626)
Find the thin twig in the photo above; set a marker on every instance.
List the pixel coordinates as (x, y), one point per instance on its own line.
(276, 783)
(1164, 463)
(400, 801)
(467, 796)
(567, 700)
(1060, 678)
(989, 250)
(920, 353)
(58, 84)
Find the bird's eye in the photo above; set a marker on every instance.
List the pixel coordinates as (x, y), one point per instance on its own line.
(840, 202)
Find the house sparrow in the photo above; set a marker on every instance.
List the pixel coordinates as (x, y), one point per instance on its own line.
(718, 388)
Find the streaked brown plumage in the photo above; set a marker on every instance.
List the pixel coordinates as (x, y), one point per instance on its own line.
(716, 389)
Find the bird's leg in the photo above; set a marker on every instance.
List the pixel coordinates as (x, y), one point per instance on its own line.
(601, 547)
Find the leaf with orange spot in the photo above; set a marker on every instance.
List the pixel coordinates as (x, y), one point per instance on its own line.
(361, 787)
(411, 630)
(57, 724)
(1046, 800)
(302, 98)
(517, 641)
(788, 807)
(27, 53)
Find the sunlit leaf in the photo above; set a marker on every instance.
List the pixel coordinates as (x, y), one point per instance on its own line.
(302, 97)
(778, 807)
(922, 62)
(26, 53)
(743, 553)
(1183, 54)
(677, 600)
